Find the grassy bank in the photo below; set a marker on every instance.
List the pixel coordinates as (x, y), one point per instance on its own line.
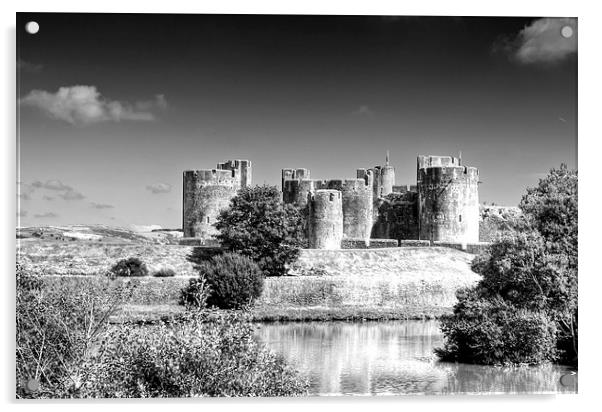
(400, 283)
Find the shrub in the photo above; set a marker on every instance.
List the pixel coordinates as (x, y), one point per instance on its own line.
(493, 332)
(195, 357)
(195, 294)
(164, 272)
(259, 225)
(234, 281)
(59, 325)
(130, 267)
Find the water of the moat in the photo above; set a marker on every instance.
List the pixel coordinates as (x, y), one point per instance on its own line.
(394, 358)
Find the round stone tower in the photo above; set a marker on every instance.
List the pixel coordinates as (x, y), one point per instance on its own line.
(325, 219)
(387, 178)
(357, 209)
(448, 200)
(205, 194)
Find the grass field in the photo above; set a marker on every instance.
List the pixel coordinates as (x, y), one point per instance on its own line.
(395, 283)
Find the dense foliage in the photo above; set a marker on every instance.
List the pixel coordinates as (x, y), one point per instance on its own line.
(130, 267)
(196, 357)
(234, 281)
(259, 225)
(65, 342)
(58, 327)
(528, 292)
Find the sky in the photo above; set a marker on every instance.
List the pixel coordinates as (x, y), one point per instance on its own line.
(112, 108)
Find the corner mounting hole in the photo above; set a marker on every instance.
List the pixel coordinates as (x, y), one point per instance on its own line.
(32, 27)
(567, 32)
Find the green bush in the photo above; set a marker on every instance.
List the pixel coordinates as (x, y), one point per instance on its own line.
(493, 332)
(195, 357)
(234, 281)
(130, 267)
(164, 273)
(259, 225)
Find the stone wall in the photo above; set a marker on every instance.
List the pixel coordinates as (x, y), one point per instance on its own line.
(371, 244)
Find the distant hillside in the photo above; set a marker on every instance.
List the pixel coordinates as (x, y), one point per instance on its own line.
(97, 233)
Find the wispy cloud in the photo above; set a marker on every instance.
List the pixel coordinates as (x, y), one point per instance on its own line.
(159, 188)
(71, 195)
(544, 41)
(51, 185)
(63, 190)
(46, 215)
(101, 205)
(24, 191)
(26, 66)
(363, 110)
(83, 105)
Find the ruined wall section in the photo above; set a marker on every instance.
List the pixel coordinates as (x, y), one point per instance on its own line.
(325, 221)
(241, 169)
(448, 200)
(397, 217)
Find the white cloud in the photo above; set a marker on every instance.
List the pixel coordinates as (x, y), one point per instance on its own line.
(543, 41)
(159, 188)
(81, 105)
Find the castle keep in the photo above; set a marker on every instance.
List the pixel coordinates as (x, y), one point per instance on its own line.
(207, 192)
(442, 206)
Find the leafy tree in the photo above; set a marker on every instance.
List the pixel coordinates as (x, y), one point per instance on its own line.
(552, 208)
(259, 225)
(531, 270)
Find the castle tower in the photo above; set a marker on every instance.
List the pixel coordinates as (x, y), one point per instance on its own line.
(296, 186)
(448, 200)
(387, 178)
(207, 192)
(383, 178)
(325, 219)
(241, 169)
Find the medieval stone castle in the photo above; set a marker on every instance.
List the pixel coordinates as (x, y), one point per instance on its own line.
(443, 205)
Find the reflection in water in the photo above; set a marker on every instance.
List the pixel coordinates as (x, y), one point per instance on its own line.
(394, 358)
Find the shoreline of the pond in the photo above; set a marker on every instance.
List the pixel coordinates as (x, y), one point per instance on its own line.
(148, 314)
